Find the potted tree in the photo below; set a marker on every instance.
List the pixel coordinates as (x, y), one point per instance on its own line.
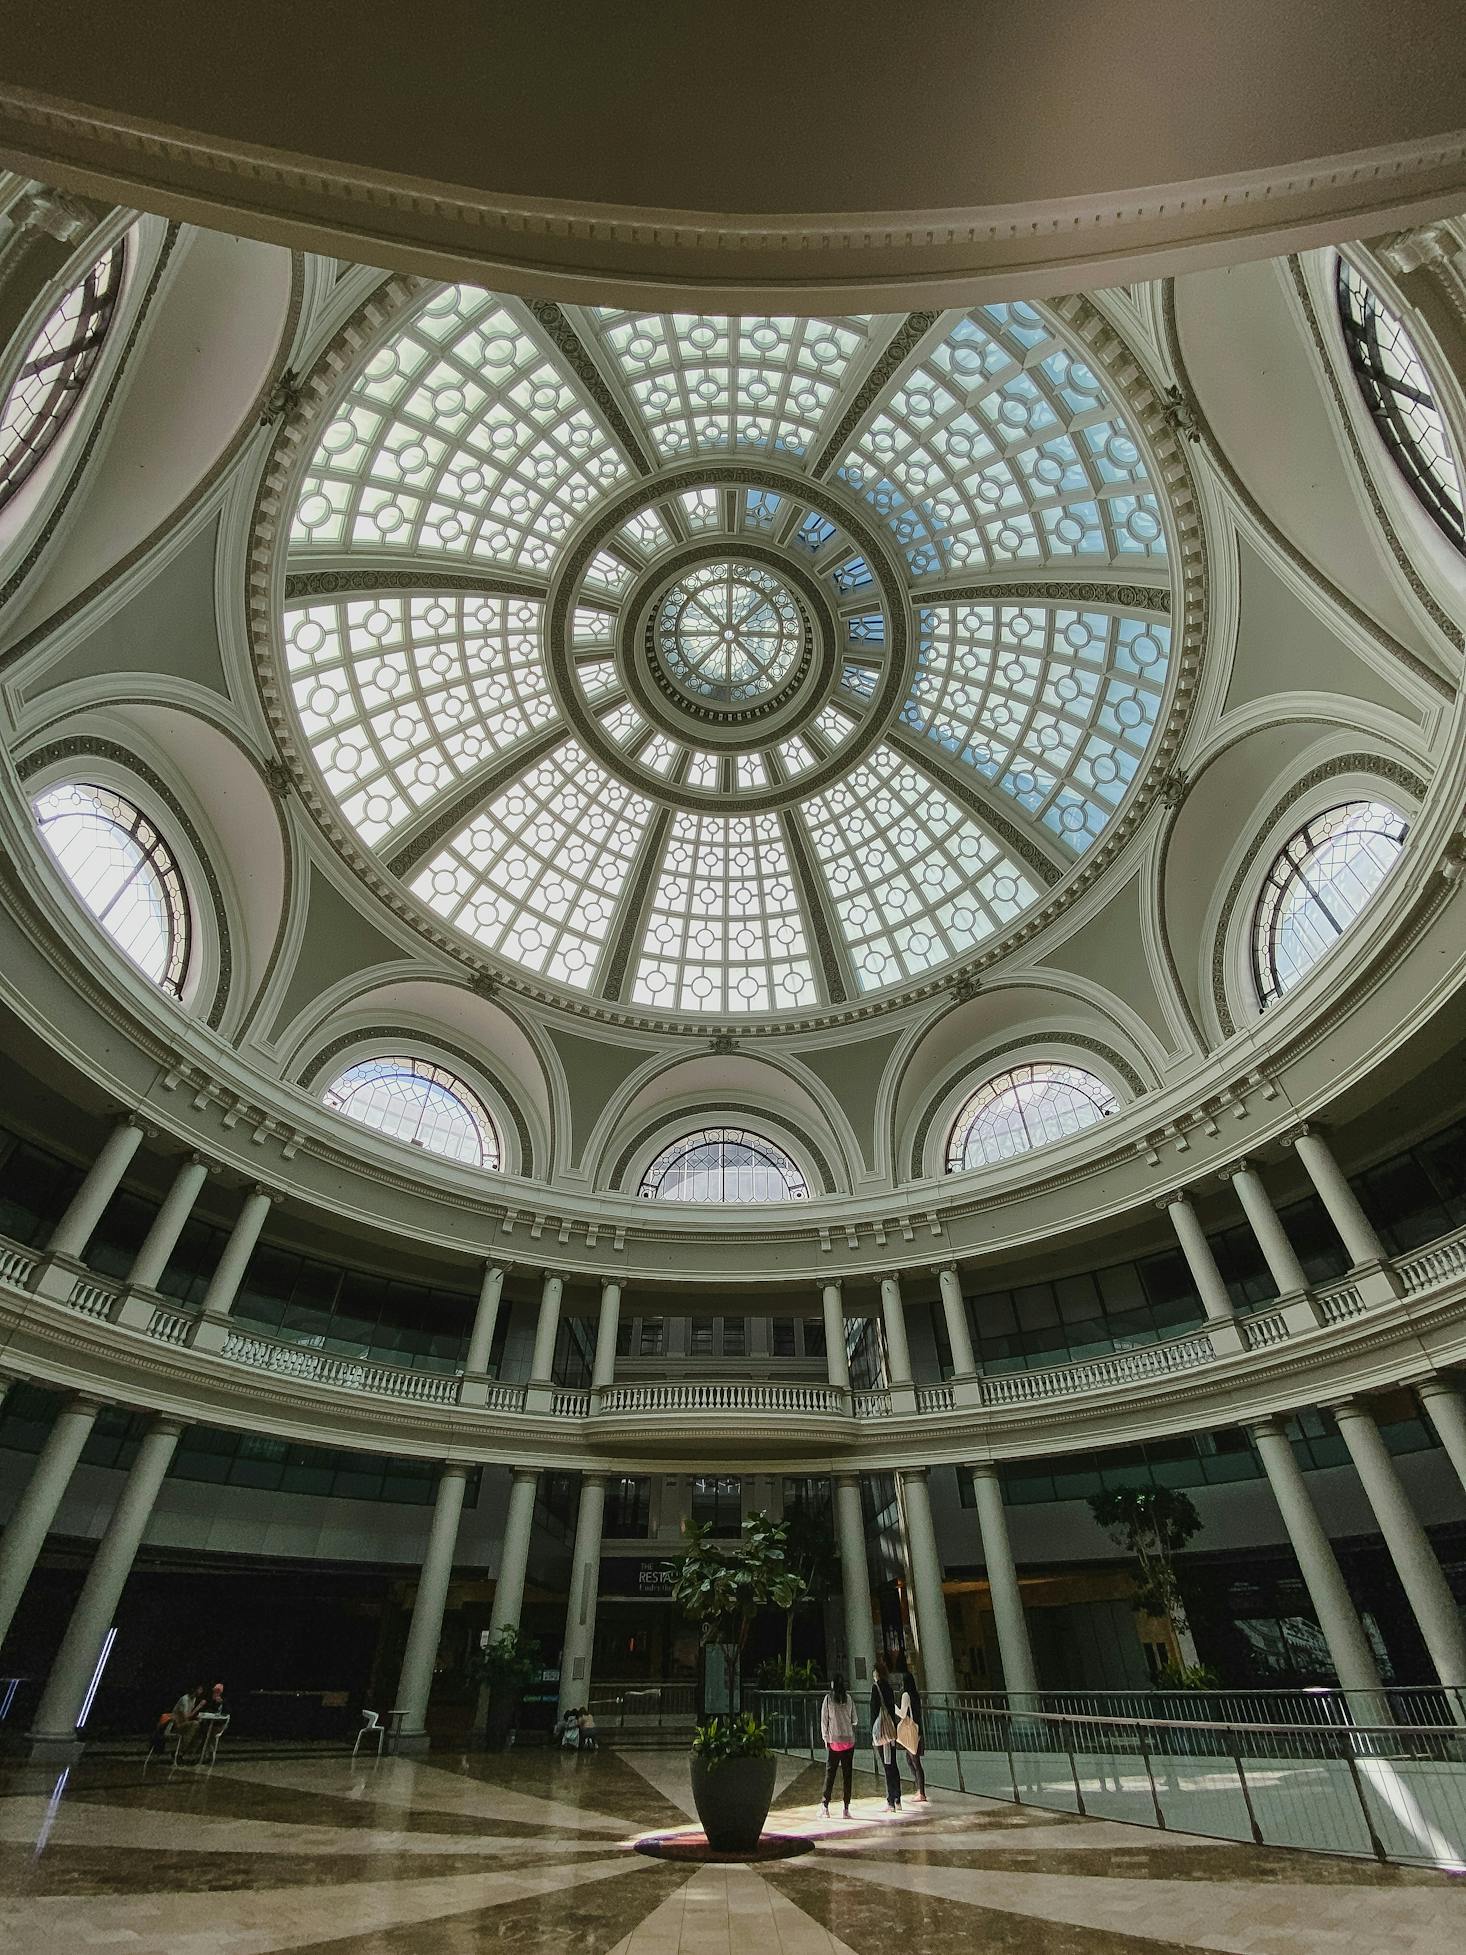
(505, 1668)
(1152, 1523)
(721, 1586)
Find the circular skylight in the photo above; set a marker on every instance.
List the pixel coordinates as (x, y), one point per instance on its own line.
(706, 666)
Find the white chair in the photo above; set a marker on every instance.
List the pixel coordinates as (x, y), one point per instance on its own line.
(371, 1727)
(214, 1729)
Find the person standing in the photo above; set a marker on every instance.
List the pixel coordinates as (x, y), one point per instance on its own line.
(837, 1728)
(883, 1721)
(908, 1712)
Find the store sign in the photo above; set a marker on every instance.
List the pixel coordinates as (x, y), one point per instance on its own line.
(656, 1578)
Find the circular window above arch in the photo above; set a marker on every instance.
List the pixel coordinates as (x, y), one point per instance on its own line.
(723, 1164)
(1028, 1106)
(55, 370)
(124, 872)
(420, 1103)
(690, 665)
(1319, 882)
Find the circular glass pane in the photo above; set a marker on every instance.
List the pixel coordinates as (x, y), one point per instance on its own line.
(124, 872)
(728, 633)
(1317, 886)
(1031, 1106)
(416, 1101)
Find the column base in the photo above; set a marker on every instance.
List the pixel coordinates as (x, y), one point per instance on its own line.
(1226, 1336)
(135, 1309)
(903, 1401)
(211, 1333)
(473, 1388)
(1377, 1282)
(539, 1396)
(411, 1744)
(1300, 1312)
(55, 1277)
(54, 1748)
(966, 1391)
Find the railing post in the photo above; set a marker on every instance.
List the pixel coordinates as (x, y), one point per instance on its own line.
(1376, 1843)
(1074, 1774)
(1155, 1797)
(1257, 1839)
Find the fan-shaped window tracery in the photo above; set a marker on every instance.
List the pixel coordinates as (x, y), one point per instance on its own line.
(723, 1164)
(1317, 885)
(1401, 402)
(1026, 1107)
(419, 1102)
(56, 368)
(125, 874)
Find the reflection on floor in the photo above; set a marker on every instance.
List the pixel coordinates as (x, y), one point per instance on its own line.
(531, 1852)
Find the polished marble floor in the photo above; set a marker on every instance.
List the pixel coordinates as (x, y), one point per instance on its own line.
(532, 1852)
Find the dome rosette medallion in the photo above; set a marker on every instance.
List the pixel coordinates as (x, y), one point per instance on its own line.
(761, 670)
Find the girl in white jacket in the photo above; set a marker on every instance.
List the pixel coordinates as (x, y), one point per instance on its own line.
(837, 1728)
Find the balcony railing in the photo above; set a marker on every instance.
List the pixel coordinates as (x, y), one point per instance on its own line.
(1271, 1329)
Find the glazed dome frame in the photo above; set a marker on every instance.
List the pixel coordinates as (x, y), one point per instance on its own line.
(893, 700)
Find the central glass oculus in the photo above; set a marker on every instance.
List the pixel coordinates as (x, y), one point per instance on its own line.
(728, 633)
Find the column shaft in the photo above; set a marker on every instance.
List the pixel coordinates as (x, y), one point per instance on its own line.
(934, 1631)
(233, 1262)
(547, 1327)
(1356, 1231)
(585, 1581)
(860, 1641)
(1272, 1238)
(603, 1371)
(83, 1212)
(75, 1663)
(426, 1628)
(1425, 1586)
(1216, 1300)
(485, 1321)
(159, 1242)
(26, 1530)
(964, 1363)
(837, 1358)
(898, 1353)
(1020, 1679)
(514, 1555)
(1447, 1409)
(1322, 1577)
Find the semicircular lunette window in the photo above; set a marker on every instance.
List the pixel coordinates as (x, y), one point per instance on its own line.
(1317, 885)
(125, 873)
(419, 1102)
(723, 1164)
(1029, 1106)
(1398, 394)
(57, 366)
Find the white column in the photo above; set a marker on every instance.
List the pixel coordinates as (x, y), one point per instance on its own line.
(1322, 1577)
(603, 1371)
(1425, 1586)
(425, 1631)
(213, 1329)
(837, 1358)
(83, 1212)
(1354, 1226)
(514, 1555)
(1216, 1299)
(860, 1640)
(485, 1321)
(585, 1582)
(1447, 1409)
(26, 1530)
(1020, 1679)
(547, 1326)
(898, 1352)
(53, 1735)
(1277, 1251)
(964, 1363)
(933, 1629)
(161, 1239)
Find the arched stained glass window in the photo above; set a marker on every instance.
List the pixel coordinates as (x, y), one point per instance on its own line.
(1028, 1106)
(1317, 886)
(1397, 391)
(419, 1102)
(56, 368)
(723, 1164)
(125, 873)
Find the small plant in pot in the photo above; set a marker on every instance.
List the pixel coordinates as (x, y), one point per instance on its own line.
(505, 1668)
(721, 1586)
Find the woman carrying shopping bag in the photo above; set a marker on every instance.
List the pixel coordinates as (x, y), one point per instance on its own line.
(910, 1735)
(883, 1724)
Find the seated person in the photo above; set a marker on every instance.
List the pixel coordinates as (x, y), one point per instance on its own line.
(186, 1719)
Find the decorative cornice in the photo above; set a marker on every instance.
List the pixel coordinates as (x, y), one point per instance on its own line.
(1115, 595)
(365, 582)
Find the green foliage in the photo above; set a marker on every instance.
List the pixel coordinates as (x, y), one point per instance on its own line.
(1151, 1523)
(510, 1661)
(722, 1738)
(1189, 1676)
(722, 1585)
(774, 1674)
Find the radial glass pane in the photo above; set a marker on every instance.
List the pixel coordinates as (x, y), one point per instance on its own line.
(57, 365)
(420, 1103)
(124, 872)
(1317, 886)
(1026, 1107)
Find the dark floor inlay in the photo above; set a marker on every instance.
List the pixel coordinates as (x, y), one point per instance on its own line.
(694, 1847)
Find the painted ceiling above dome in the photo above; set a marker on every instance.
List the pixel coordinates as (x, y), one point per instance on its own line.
(728, 666)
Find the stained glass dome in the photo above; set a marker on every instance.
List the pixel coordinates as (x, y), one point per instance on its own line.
(707, 665)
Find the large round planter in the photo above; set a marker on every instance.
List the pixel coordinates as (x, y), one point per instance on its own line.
(733, 1800)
